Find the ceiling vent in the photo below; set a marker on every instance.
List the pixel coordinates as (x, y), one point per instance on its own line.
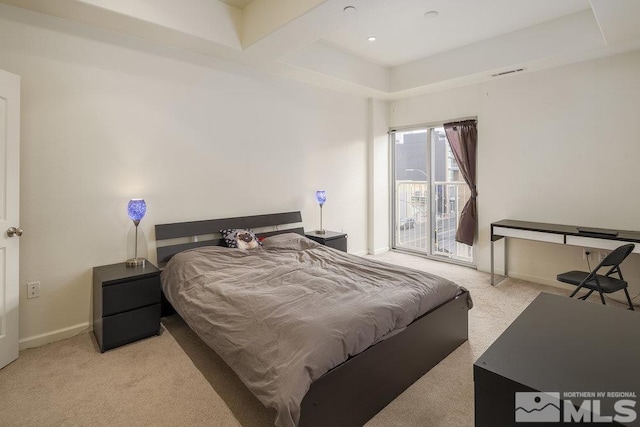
(504, 73)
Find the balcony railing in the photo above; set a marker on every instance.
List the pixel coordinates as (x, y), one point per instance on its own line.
(431, 232)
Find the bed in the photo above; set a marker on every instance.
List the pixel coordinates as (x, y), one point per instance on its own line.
(341, 371)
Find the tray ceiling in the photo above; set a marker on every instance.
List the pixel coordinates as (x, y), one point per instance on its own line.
(420, 45)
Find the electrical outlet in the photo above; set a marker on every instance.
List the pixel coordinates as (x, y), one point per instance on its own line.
(587, 253)
(602, 255)
(33, 289)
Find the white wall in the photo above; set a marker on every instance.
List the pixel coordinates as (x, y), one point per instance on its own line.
(558, 146)
(378, 160)
(106, 118)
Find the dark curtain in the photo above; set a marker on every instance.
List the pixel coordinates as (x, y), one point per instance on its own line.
(463, 139)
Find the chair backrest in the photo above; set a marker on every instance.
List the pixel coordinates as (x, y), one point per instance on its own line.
(617, 255)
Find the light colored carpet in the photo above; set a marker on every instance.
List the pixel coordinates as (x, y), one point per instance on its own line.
(175, 379)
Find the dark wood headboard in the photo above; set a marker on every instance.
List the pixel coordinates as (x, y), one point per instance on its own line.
(283, 222)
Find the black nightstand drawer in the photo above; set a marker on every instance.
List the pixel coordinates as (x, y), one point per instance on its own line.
(126, 303)
(130, 326)
(339, 244)
(331, 239)
(129, 295)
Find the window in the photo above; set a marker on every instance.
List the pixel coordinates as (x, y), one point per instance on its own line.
(428, 195)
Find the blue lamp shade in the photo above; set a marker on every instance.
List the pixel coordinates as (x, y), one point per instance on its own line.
(321, 197)
(136, 209)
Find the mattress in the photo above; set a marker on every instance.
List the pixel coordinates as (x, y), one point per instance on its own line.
(284, 314)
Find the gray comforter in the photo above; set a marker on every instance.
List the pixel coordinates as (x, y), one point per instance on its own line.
(283, 315)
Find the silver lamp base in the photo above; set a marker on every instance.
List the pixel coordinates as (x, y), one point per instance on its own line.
(321, 231)
(135, 262)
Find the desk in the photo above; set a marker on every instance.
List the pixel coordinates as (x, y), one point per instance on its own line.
(558, 345)
(557, 233)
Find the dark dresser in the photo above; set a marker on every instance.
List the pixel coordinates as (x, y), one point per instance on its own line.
(126, 304)
(329, 238)
(561, 360)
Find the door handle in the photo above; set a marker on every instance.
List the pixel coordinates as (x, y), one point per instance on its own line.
(13, 231)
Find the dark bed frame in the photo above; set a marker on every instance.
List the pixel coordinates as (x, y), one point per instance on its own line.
(354, 391)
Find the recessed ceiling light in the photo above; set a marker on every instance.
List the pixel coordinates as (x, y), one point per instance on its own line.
(431, 14)
(349, 9)
(372, 38)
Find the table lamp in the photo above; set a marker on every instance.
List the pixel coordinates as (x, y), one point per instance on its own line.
(321, 197)
(136, 210)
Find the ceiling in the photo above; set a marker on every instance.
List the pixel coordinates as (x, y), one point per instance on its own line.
(404, 34)
(319, 42)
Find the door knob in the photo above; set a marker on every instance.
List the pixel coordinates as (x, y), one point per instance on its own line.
(13, 231)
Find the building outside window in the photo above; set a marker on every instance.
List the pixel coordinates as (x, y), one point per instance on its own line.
(428, 195)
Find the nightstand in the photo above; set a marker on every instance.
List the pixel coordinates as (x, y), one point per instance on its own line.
(126, 304)
(330, 238)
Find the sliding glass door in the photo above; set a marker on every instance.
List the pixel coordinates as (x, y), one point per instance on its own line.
(428, 195)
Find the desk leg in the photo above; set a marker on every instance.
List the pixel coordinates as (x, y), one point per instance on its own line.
(505, 257)
(493, 275)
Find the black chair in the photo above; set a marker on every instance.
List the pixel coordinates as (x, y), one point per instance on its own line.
(604, 284)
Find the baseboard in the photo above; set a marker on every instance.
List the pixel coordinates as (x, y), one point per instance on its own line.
(53, 336)
(359, 253)
(541, 280)
(381, 250)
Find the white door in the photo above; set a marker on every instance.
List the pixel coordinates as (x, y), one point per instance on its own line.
(9, 215)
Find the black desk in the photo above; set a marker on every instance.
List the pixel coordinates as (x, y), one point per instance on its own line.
(562, 345)
(557, 233)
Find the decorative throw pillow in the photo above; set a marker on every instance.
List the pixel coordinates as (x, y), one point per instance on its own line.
(240, 238)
